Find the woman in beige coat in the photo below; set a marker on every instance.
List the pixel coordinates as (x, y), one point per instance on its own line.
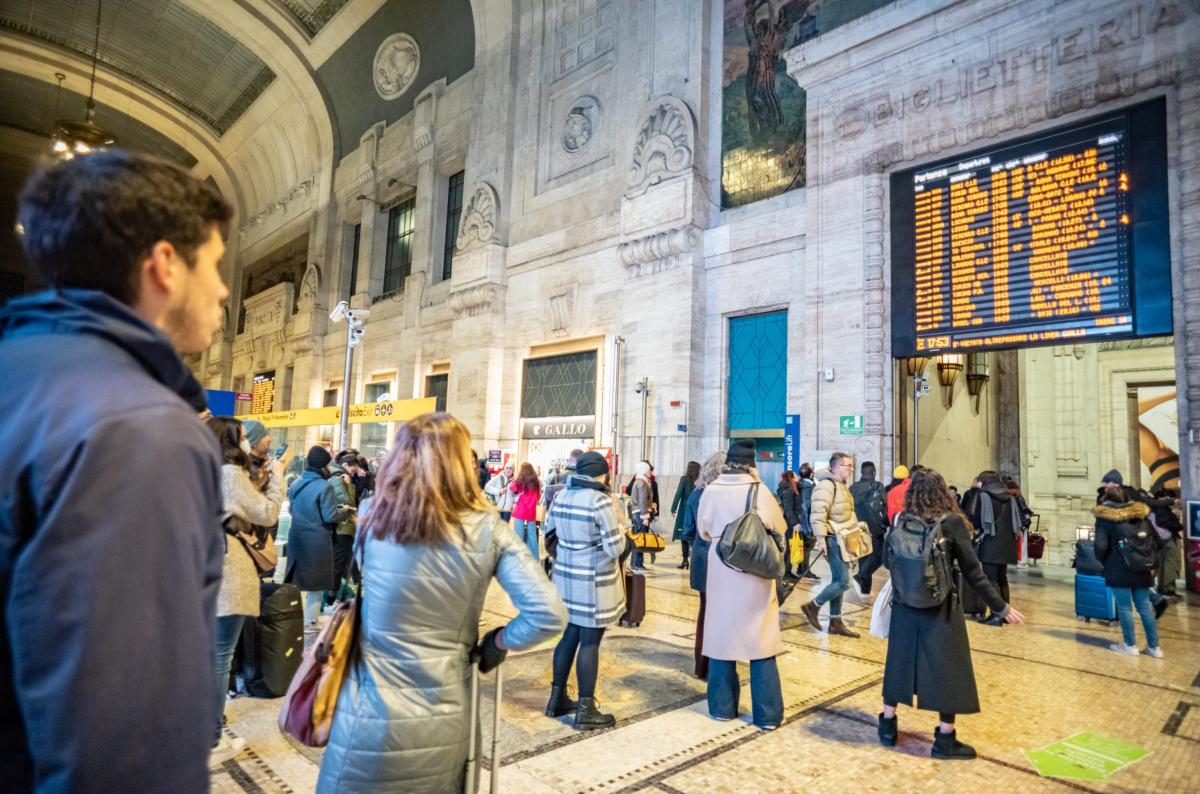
(741, 619)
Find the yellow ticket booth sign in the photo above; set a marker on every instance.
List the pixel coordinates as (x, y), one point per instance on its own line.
(361, 413)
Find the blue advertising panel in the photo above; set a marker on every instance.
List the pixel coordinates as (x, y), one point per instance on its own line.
(791, 442)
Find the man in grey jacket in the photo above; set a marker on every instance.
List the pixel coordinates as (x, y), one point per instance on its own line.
(110, 562)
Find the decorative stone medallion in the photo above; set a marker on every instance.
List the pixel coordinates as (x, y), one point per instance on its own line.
(580, 125)
(397, 62)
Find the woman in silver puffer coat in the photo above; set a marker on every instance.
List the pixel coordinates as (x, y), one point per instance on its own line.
(430, 547)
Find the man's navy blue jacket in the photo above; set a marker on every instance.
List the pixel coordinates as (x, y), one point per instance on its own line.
(110, 553)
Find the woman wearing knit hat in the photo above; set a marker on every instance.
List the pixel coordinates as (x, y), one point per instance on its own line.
(741, 617)
(315, 514)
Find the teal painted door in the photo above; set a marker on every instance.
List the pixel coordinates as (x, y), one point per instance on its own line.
(757, 371)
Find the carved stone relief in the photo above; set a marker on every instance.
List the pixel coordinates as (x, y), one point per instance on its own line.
(665, 144)
(473, 300)
(397, 62)
(480, 217)
(580, 125)
(562, 309)
(309, 287)
(660, 251)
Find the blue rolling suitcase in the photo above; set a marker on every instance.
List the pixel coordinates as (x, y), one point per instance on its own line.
(1094, 599)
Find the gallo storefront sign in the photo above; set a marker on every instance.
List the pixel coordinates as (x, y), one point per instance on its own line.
(559, 427)
(362, 413)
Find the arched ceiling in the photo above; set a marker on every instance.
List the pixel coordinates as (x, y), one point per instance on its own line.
(163, 44)
(33, 106)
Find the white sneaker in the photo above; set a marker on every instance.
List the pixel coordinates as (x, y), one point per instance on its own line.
(225, 749)
(1155, 652)
(1120, 647)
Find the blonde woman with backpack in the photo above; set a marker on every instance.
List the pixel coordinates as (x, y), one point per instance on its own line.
(929, 654)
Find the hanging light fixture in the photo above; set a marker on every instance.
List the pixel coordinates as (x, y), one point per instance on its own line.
(977, 375)
(81, 137)
(949, 366)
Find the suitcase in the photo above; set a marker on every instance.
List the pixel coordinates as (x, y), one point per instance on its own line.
(272, 644)
(1094, 599)
(471, 778)
(1037, 545)
(635, 601)
(972, 604)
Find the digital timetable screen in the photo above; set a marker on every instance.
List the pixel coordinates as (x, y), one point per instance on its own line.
(1051, 239)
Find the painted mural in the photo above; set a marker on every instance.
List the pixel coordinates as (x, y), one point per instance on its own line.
(1158, 437)
(762, 130)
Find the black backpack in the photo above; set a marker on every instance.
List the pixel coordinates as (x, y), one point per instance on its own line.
(1138, 546)
(922, 575)
(869, 507)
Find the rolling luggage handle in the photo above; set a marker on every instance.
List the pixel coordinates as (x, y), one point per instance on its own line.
(469, 786)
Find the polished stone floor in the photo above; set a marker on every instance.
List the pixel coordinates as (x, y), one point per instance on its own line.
(1047, 680)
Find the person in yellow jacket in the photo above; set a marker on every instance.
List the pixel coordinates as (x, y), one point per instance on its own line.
(832, 507)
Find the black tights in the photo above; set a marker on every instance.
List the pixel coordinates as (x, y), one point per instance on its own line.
(943, 716)
(587, 642)
(684, 543)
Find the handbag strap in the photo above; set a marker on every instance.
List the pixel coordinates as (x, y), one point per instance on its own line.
(750, 497)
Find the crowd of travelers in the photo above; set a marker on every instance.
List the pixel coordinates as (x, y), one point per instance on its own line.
(115, 665)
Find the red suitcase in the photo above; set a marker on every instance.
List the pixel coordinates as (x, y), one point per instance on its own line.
(1037, 545)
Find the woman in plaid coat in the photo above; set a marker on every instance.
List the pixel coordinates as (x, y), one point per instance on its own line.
(587, 573)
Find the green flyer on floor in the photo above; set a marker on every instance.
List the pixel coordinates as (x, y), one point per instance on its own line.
(1085, 756)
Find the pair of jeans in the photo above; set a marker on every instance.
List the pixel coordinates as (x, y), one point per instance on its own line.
(313, 601)
(1129, 598)
(584, 643)
(527, 531)
(766, 693)
(229, 629)
(832, 594)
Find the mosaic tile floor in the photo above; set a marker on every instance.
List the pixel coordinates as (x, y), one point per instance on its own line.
(1039, 683)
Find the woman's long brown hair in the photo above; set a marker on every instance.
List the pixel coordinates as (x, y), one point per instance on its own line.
(929, 498)
(426, 484)
(789, 477)
(528, 478)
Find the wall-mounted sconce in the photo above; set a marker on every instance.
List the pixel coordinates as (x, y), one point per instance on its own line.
(949, 366)
(915, 366)
(977, 375)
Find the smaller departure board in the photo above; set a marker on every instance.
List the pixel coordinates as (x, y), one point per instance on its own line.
(262, 395)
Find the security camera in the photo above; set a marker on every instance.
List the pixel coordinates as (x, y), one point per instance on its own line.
(638, 387)
(356, 336)
(339, 312)
(357, 315)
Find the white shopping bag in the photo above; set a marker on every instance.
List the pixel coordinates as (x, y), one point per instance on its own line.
(881, 613)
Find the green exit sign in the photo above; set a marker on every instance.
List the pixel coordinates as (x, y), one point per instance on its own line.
(850, 425)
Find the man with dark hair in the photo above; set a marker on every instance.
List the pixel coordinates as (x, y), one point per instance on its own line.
(870, 505)
(110, 559)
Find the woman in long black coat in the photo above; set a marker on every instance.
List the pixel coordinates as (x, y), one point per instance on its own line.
(929, 654)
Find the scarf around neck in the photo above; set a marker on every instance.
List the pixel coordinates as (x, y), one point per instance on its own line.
(987, 515)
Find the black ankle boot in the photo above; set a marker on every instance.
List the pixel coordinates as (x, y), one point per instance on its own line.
(590, 718)
(889, 730)
(947, 746)
(560, 705)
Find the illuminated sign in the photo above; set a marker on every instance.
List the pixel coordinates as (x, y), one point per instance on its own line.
(262, 395)
(1047, 240)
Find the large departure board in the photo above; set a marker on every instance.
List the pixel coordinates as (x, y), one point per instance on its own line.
(1038, 241)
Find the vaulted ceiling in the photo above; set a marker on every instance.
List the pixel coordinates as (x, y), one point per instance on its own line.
(164, 44)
